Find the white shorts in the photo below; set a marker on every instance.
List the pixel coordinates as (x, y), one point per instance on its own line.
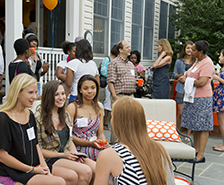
(107, 102)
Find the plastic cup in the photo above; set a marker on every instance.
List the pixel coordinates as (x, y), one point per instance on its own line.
(32, 50)
(140, 82)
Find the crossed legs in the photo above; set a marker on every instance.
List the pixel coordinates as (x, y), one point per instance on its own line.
(83, 172)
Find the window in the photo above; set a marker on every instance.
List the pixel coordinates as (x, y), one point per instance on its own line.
(100, 27)
(148, 29)
(143, 32)
(171, 30)
(103, 21)
(163, 20)
(166, 29)
(136, 33)
(117, 21)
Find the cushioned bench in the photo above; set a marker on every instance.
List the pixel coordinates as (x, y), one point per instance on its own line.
(165, 110)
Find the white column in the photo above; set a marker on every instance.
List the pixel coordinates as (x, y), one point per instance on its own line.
(13, 31)
(72, 19)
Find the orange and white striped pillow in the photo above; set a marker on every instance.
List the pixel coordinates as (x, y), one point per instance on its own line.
(162, 130)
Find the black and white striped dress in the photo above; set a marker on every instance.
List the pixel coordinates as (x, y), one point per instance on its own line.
(132, 172)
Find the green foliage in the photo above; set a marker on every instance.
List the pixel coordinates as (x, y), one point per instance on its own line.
(200, 20)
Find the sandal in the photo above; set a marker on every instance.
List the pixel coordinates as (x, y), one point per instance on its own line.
(187, 139)
(105, 127)
(219, 148)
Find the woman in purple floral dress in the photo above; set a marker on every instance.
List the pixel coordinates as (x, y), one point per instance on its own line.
(218, 102)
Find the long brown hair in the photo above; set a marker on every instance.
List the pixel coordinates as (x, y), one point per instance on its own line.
(129, 126)
(166, 46)
(95, 99)
(222, 51)
(183, 52)
(84, 50)
(47, 104)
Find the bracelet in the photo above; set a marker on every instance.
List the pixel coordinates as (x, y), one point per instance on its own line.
(31, 170)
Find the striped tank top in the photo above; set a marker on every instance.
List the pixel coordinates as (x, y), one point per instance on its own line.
(132, 172)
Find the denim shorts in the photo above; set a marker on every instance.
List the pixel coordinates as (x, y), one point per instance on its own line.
(179, 98)
(72, 98)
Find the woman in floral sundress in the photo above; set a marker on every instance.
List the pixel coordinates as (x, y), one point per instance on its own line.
(87, 117)
(218, 102)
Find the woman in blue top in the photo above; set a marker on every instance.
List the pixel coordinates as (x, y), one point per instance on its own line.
(182, 64)
(161, 84)
(103, 71)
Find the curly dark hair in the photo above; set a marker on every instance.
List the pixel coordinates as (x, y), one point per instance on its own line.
(138, 54)
(67, 46)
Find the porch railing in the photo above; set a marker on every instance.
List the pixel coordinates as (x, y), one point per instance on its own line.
(53, 57)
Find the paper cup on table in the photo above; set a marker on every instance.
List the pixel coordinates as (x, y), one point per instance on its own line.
(140, 82)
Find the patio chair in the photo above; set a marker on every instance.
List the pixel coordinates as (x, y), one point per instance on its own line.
(165, 110)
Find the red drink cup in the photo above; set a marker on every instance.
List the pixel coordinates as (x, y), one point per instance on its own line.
(140, 82)
(32, 50)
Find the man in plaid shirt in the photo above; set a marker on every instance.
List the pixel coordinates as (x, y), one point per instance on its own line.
(121, 75)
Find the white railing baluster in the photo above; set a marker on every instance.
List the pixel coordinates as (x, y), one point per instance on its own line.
(53, 57)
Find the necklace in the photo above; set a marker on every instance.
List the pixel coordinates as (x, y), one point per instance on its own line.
(88, 111)
(23, 138)
(55, 117)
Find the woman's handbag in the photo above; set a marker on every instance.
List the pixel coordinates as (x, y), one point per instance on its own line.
(103, 79)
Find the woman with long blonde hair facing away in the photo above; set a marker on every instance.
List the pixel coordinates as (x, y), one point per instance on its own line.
(20, 155)
(161, 83)
(136, 159)
(54, 133)
(87, 117)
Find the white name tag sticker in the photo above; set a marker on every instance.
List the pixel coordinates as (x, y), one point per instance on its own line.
(70, 131)
(30, 133)
(82, 122)
(132, 72)
(193, 70)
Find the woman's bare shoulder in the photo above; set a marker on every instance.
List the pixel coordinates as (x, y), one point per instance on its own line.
(108, 156)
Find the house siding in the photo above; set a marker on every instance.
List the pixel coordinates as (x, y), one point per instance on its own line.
(86, 18)
(128, 21)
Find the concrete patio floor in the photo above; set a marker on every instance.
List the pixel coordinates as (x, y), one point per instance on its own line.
(209, 173)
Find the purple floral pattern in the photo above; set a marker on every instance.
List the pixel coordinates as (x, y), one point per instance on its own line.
(218, 96)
